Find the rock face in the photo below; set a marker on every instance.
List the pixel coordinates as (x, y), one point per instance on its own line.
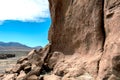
(111, 54)
(83, 31)
(78, 30)
(77, 26)
(83, 44)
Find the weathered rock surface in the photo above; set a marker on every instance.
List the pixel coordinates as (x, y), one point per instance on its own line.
(78, 32)
(9, 77)
(110, 61)
(87, 33)
(21, 75)
(51, 77)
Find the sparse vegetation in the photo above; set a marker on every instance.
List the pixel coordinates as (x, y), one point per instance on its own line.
(17, 53)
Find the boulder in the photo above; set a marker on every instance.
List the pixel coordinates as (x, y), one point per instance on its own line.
(33, 77)
(10, 77)
(34, 57)
(8, 70)
(1, 75)
(21, 75)
(27, 69)
(33, 66)
(25, 63)
(51, 77)
(34, 71)
(17, 68)
(21, 60)
(54, 59)
(30, 54)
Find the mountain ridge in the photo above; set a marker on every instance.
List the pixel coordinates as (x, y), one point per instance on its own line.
(15, 46)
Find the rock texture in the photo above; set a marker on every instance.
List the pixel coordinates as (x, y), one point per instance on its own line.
(87, 33)
(109, 64)
(84, 44)
(78, 32)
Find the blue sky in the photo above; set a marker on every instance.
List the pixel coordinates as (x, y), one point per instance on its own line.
(27, 24)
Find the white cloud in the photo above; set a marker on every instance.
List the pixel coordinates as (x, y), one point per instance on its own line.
(24, 10)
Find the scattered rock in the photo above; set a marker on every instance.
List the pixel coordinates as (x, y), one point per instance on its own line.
(1, 75)
(8, 70)
(54, 59)
(9, 77)
(25, 63)
(21, 60)
(30, 54)
(51, 77)
(33, 77)
(16, 68)
(27, 69)
(33, 66)
(21, 75)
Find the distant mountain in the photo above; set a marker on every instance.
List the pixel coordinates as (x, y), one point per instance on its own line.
(15, 46)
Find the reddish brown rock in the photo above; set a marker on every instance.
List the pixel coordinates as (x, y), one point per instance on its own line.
(77, 26)
(21, 75)
(52, 61)
(32, 77)
(87, 33)
(110, 62)
(9, 77)
(16, 68)
(51, 77)
(77, 31)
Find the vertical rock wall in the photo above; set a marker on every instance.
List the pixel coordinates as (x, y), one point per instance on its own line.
(77, 26)
(110, 61)
(89, 29)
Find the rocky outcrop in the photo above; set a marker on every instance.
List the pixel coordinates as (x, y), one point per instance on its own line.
(84, 45)
(29, 67)
(78, 32)
(109, 64)
(87, 33)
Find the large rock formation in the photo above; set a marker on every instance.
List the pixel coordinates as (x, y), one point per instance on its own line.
(110, 61)
(84, 38)
(84, 29)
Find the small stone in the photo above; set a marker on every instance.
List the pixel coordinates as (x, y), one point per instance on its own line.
(8, 70)
(51, 77)
(33, 66)
(33, 77)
